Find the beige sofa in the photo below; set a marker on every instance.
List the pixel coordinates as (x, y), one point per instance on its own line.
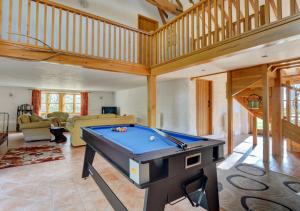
(34, 128)
(74, 125)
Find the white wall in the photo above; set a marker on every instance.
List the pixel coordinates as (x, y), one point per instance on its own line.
(20, 95)
(176, 106)
(99, 99)
(9, 104)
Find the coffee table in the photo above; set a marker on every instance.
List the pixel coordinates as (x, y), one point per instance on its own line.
(58, 133)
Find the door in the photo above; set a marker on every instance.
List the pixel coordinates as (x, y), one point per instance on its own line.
(148, 25)
(203, 107)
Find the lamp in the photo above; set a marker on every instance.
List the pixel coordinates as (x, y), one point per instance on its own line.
(254, 101)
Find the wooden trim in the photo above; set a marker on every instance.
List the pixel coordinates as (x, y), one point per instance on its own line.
(229, 114)
(266, 116)
(254, 129)
(151, 81)
(277, 142)
(23, 51)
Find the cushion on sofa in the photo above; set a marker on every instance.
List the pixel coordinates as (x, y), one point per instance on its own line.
(24, 119)
(106, 116)
(32, 125)
(35, 118)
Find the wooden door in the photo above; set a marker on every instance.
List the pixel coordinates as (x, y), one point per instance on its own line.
(148, 25)
(203, 107)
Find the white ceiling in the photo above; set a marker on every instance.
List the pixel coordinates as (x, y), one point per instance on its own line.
(44, 75)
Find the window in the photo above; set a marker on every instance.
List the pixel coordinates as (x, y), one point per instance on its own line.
(65, 102)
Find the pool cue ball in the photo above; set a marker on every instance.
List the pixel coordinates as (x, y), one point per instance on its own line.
(152, 138)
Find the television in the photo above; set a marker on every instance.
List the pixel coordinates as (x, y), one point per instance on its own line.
(109, 110)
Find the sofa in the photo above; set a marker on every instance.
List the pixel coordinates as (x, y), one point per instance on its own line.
(74, 124)
(34, 128)
(61, 116)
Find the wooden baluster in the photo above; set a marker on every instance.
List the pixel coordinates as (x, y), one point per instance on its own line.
(216, 37)
(209, 21)
(19, 20)
(86, 36)
(238, 16)
(192, 30)
(133, 47)
(256, 13)
(179, 40)
(125, 58)
(104, 39)
(52, 27)
(247, 22)
(279, 9)
(109, 41)
(120, 44)
(160, 46)
(80, 34)
(262, 15)
(144, 50)
(203, 26)
(74, 33)
(267, 11)
(115, 43)
(93, 37)
(230, 18)
(28, 20)
(60, 29)
(1, 14)
(99, 40)
(45, 23)
(187, 35)
(223, 19)
(198, 28)
(171, 41)
(164, 45)
(10, 15)
(37, 22)
(296, 108)
(182, 36)
(129, 46)
(67, 31)
(293, 7)
(146, 41)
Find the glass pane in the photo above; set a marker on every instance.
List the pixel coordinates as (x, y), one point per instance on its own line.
(259, 124)
(43, 108)
(78, 99)
(44, 98)
(77, 108)
(53, 107)
(68, 99)
(53, 98)
(68, 108)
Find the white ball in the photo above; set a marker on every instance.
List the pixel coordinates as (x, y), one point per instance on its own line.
(152, 138)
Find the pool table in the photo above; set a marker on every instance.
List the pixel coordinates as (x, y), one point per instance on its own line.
(171, 166)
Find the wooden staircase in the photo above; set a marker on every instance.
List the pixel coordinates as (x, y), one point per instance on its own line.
(249, 81)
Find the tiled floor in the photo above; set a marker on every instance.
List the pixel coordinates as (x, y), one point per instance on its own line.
(57, 185)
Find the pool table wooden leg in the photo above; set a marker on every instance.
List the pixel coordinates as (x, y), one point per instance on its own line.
(88, 159)
(155, 200)
(212, 187)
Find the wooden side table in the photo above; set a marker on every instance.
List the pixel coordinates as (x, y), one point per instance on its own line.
(58, 133)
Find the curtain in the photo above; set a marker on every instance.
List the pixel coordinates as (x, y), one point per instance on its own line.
(84, 103)
(36, 101)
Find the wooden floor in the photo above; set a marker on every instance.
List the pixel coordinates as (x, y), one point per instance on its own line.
(57, 185)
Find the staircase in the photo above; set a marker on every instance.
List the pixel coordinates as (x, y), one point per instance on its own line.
(247, 82)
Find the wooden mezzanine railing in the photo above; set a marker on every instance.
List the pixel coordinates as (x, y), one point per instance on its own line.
(58, 28)
(212, 21)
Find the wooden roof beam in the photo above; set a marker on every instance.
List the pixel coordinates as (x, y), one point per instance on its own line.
(165, 5)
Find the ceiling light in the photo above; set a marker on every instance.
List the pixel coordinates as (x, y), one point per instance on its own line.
(264, 56)
(203, 70)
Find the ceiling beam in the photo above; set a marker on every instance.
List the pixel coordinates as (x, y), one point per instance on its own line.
(165, 5)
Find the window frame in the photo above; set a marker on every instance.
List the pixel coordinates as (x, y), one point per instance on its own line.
(61, 102)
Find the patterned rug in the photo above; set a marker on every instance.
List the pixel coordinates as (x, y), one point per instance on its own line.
(31, 155)
(248, 187)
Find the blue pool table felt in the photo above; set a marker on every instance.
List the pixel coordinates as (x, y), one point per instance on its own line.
(137, 139)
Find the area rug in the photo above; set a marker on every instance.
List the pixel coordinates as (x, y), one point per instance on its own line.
(248, 187)
(31, 155)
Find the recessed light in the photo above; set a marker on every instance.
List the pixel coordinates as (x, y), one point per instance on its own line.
(264, 56)
(203, 70)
